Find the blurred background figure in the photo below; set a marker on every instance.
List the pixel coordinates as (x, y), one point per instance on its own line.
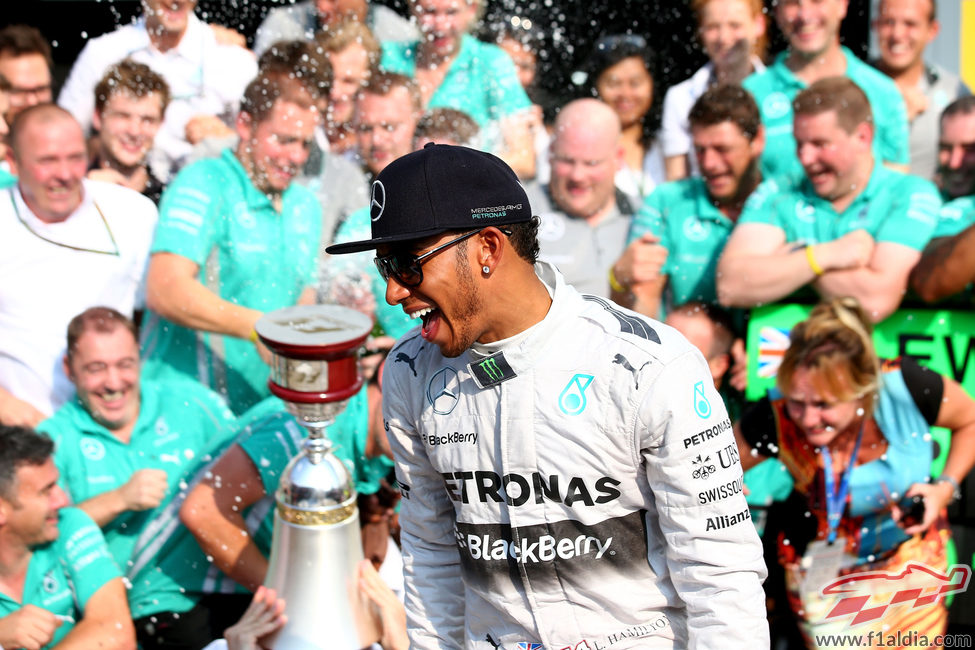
(680, 230)
(621, 72)
(302, 21)
(206, 77)
(709, 328)
(732, 33)
(455, 70)
(6, 178)
(237, 237)
(446, 126)
(386, 116)
(25, 62)
(853, 433)
(130, 101)
(812, 30)
(523, 41)
(904, 28)
(956, 149)
(353, 52)
(584, 218)
(66, 243)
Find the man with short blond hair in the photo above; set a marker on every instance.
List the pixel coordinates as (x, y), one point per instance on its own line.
(386, 116)
(849, 227)
(236, 238)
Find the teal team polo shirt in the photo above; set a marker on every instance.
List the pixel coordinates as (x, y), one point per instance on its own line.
(7, 179)
(894, 207)
(955, 216)
(64, 574)
(181, 427)
(694, 233)
(248, 254)
(776, 87)
(481, 81)
(362, 271)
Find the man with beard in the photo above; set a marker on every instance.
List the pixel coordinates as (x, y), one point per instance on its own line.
(680, 231)
(66, 243)
(813, 32)
(126, 449)
(129, 104)
(236, 238)
(549, 490)
(948, 264)
(206, 78)
(58, 584)
(956, 149)
(584, 218)
(849, 227)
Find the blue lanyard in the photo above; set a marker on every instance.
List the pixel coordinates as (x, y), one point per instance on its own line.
(836, 498)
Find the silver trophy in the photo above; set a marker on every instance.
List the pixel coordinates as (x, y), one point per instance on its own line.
(317, 543)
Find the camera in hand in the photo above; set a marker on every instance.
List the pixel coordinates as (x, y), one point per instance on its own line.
(912, 510)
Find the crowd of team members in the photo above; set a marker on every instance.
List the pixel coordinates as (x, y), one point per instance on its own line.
(182, 174)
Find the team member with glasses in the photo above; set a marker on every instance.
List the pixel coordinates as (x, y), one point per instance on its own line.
(66, 244)
(551, 447)
(25, 62)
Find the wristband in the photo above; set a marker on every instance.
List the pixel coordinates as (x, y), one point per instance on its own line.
(956, 489)
(813, 264)
(614, 284)
(252, 337)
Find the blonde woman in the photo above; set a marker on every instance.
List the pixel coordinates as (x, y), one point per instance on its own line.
(853, 433)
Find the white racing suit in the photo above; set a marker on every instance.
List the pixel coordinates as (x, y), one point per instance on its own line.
(580, 489)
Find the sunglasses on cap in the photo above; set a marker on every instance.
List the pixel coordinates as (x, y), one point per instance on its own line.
(407, 268)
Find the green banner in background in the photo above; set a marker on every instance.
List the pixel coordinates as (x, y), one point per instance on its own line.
(943, 340)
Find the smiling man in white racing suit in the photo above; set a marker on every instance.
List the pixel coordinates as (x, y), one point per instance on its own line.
(569, 474)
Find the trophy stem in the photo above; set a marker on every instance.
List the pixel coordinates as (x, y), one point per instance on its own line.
(317, 545)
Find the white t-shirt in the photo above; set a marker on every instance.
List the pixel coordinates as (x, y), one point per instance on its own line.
(44, 285)
(204, 77)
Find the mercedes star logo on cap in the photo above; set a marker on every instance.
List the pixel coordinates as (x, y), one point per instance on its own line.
(378, 200)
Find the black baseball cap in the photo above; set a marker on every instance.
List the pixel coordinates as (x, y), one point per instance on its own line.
(441, 187)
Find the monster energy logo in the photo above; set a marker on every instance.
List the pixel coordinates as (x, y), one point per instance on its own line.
(491, 370)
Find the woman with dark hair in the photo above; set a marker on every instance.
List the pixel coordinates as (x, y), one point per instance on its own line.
(621, 73)
(853, 432)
